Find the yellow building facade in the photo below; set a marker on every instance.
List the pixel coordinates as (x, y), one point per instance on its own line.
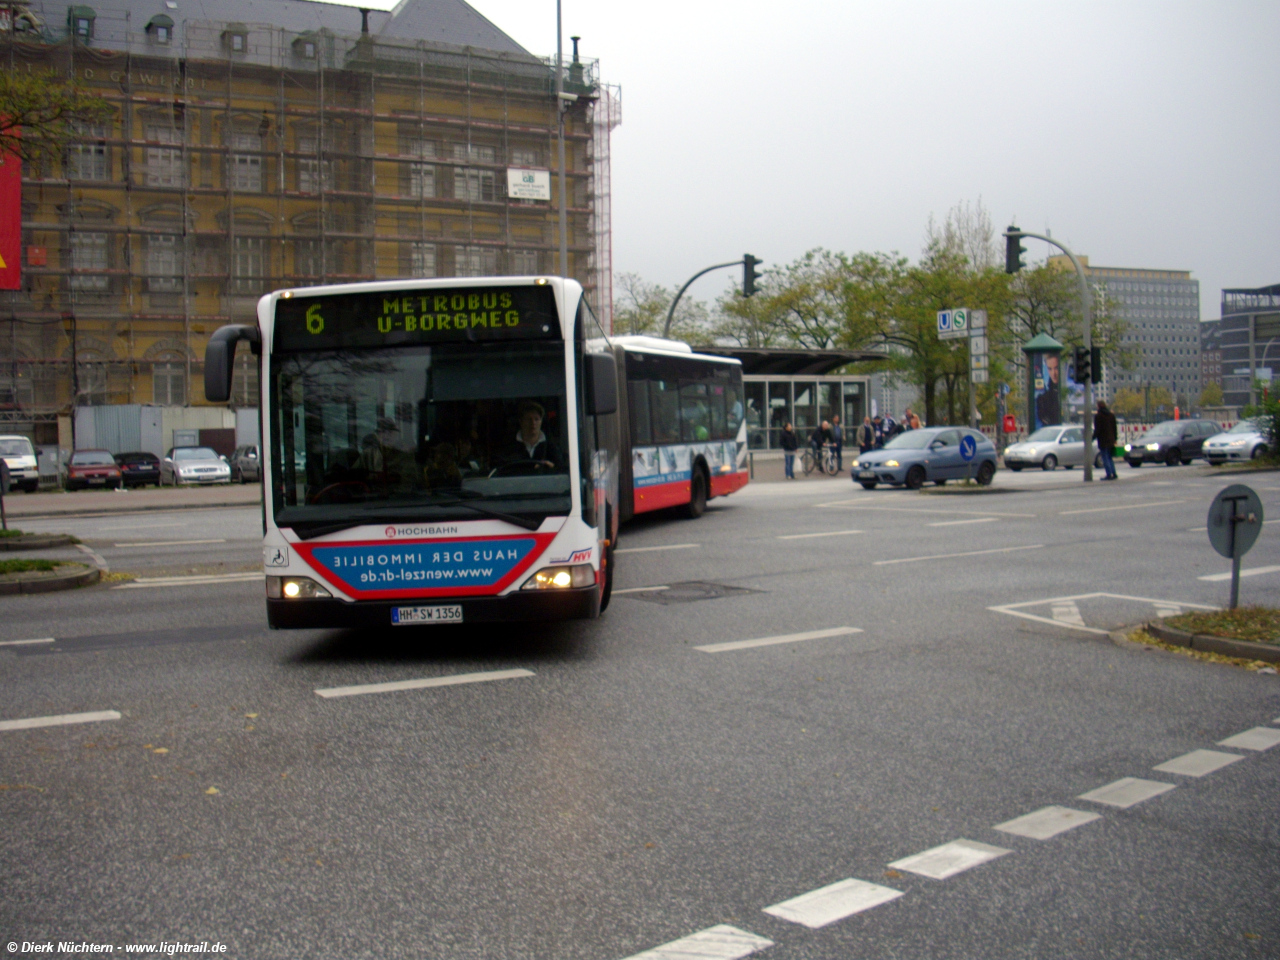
(241, 158)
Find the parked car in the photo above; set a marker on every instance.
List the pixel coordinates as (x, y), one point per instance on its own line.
(139, 468)
(245, 464)
(929, 454)
(20, 455)
(93, 468)
(1171, 442)
(199, 465)
(1247, 440)
(1051, 447)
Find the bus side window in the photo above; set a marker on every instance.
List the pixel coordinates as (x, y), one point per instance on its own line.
(641, 428)
(719, 428)
(695, 413)
(666, 411)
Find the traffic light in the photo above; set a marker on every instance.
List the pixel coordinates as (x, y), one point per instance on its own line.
(1013, 250)
(1083, 358)
(749, 274)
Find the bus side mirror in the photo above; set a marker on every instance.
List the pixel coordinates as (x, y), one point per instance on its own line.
(601, 388)
(219, 356)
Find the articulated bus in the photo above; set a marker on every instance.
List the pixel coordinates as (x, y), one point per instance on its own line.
(450, 451)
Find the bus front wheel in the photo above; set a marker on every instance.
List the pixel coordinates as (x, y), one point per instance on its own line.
(697, 504)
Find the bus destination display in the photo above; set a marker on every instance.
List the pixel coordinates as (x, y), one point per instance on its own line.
(407, 317)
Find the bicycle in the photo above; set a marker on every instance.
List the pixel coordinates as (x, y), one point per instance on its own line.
(825, 463)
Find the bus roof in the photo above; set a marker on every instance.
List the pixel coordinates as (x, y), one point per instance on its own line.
(660, 345)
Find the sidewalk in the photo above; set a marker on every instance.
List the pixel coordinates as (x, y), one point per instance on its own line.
(42, 506)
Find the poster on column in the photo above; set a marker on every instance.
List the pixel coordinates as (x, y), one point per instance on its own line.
(1047, 386)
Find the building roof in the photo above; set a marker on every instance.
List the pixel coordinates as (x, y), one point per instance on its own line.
(790, 361)
(451, 22)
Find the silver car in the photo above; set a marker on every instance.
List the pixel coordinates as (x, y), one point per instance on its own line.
(1247, 440)
(193, 465)
(1051, 447)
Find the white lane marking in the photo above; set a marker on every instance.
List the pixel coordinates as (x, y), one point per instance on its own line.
(827, 533)
(1168, 609)
(948, 556)
(957, 523)
(721, 942)
(817, 908)
(640, 590)
(60, 720)
(858, 505)
(357, 690)
(195, 581)
(782, 638)
(1067, 613)
(1251, 572)
(1012, 608)
(1046, 822)
(949, 859)
(1126, 792)
(23, 643)
(143, 526)
(164, 543)
(1198, 763)
(1127, 506)
(1257, 738)
(669, 546)
(1206, 529)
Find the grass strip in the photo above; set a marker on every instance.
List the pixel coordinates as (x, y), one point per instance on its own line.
(24, 566)
(1258, 666)
(1255, 624)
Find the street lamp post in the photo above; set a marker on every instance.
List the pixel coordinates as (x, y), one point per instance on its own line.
(1087, 336)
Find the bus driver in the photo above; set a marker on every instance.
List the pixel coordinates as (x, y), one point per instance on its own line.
(531, 444)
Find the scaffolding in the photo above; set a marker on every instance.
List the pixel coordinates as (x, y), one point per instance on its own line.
(243, 158)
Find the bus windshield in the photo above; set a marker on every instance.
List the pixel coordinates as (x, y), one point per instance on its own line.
(448, 431)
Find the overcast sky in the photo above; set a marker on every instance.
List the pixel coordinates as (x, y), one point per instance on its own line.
(1142, 134)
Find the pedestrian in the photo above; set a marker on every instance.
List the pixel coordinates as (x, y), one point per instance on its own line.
(788, 441)
(866, 435)
(1104, 432)
(837, 442)
(909, 420)
(888, 429)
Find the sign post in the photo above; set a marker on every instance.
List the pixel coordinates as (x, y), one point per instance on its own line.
(1235, 520)
(977, 359)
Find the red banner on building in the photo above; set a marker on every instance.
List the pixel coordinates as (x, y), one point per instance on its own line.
(10, 222)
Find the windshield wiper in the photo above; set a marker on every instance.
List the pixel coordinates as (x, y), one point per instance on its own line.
(470, 504)
(307, 531)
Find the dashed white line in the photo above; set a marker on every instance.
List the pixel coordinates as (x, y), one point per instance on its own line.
(1046, 822)
(1251, 572)
(1127, 792)
(782, 638)
(1198, 763)
(641, 589)
(833, 902)
(396, 685)
(721, 942)
(1127, 506)
(60, 720)
(957, 523)
(165, 543)
(23, 643)
(949, 859)
(1258, 738)
(825, 533)
(949, 556)
(669, 546)
(143, 526)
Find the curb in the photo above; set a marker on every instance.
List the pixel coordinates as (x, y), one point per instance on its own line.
(66, 581)
(1221, 645)
(36, 543)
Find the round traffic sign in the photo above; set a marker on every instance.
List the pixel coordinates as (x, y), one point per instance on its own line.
(968, 448)
(1235, 520)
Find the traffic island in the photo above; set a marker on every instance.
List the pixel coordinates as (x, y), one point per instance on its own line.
(13, 540)
(44, 576)
(1247, 633)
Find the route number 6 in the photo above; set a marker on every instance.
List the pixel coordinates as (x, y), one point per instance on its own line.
(315, 322)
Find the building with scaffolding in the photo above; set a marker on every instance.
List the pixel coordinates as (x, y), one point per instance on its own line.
(261, 144)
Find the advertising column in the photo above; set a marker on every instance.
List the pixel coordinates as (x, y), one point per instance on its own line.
(1044, 382)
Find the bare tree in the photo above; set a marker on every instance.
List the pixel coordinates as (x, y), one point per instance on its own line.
(966, 232)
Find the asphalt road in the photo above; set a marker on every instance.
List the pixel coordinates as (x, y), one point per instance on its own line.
(647, 777)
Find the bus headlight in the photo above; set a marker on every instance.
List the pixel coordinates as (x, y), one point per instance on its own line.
(294, 588)
(558, 578)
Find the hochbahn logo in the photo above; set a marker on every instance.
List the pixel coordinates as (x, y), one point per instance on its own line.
(393, 532)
